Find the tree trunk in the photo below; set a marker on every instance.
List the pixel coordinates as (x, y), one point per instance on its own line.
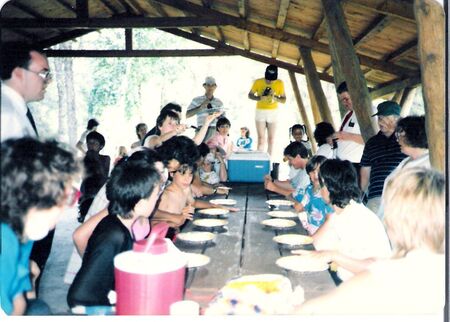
(430, 19)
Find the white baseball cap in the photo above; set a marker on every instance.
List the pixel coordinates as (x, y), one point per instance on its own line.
(209, 81)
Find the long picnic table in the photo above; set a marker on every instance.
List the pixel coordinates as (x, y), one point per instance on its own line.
(245, 247)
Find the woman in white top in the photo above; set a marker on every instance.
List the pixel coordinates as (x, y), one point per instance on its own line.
(352, 234)
(413, 280)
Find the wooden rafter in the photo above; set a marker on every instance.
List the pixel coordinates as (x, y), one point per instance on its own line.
(281, 20)
(113, 22)
(393, 86)
(27, 10)
(374, 28)
(243, 8)
(283, 35)
(394, 8)
(109, 6)
(402, 51)
(318, 33)
(244, 53)
(63, 37)
(66, 5)
(246, 40)
(217, 30)
(137, 8)
(23, 33)
(139, 53)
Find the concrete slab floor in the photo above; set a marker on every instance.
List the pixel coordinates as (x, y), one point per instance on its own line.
(53, 290)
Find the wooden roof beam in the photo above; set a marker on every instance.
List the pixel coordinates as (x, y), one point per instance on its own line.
(393, 86)
(402, 51)
(243, 8)
(399, 9)
(113, 22)
(320, 30)
(136, 7)
(244, 53)
(63, 37)
(138, 53)
(66, 5)
(109, 6)
(246, 40)
(26, 9)
(282, 35)
(217, 31)
(281, 20)
(374, 28)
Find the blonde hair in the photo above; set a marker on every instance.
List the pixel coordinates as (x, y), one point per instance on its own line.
(414, 210)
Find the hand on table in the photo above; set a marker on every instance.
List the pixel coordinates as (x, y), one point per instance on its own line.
(188, 212)
(323, 255)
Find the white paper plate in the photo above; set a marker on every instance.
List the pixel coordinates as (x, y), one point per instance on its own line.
(224, 202)
(279, 202)
(302, 263)
(293, 239)
(214, 211)
(196, 260)
(210, 222)
(279, 223)
(196, 236)
(224, 188)
(282, 214)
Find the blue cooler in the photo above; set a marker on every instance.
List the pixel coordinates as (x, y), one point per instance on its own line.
(248, 166)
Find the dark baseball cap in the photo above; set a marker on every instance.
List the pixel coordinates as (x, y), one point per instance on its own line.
(271, 72)
(388, 108)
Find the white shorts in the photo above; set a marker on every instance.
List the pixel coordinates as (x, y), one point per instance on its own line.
(267, 116)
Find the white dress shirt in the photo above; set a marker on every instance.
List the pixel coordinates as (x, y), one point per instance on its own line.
(14, 121)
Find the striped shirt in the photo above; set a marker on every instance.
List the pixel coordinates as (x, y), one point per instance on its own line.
(382, 154)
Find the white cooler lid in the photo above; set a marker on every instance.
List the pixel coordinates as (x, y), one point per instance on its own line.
(250, 155)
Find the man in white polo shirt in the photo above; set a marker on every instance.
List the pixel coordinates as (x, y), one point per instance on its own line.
(350, 144)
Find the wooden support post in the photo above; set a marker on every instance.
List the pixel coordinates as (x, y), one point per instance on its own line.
(302, 110)
(430, 19)
(397, 97)
(314, 107)
(407, 100)
(314, 82)
(341, 47)
(338, 76)
(128, 39)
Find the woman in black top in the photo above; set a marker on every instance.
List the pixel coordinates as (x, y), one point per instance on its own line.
(132, 191)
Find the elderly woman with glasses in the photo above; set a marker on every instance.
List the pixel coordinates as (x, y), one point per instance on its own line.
(413, 280)
(412, 138)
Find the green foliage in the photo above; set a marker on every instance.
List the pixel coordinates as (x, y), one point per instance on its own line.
(119, 80)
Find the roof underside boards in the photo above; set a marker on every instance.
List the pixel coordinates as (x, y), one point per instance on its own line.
(384, 32)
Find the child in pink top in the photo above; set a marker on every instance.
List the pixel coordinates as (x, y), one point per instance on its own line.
(221, 140)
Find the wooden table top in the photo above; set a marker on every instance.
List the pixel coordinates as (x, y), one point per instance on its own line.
(245, 247)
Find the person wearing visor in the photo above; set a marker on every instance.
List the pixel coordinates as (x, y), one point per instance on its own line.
(267, 92)
(204, 105)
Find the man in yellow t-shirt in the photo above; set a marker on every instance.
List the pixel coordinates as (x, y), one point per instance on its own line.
(267, 91)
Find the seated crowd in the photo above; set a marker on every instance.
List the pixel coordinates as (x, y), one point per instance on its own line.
(161, 179)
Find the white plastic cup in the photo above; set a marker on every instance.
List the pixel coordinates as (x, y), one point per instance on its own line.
(185, 308)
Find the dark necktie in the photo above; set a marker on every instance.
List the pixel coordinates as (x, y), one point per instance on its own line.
(30, 118)
(349, 115)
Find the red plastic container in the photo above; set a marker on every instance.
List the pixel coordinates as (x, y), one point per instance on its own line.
(150, 277)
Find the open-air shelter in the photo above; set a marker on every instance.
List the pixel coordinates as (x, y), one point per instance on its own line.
(381, 48)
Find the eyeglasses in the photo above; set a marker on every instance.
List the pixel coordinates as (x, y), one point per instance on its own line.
(46, 75)
(399, 134)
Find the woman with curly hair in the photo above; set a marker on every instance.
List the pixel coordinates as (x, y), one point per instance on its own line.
(36, 184)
